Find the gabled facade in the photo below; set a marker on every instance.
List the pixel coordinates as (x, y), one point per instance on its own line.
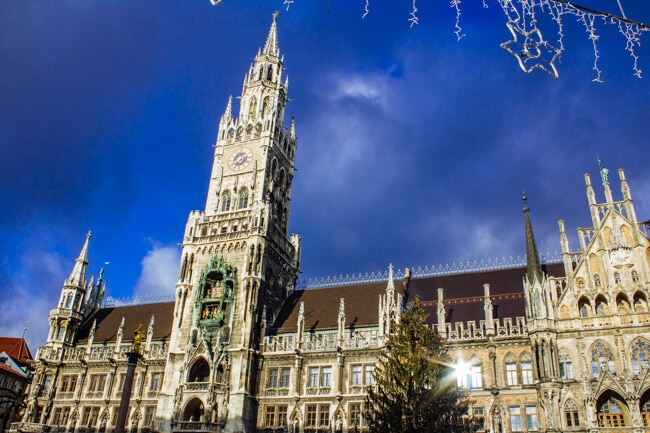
(561, 345)
(15, 375)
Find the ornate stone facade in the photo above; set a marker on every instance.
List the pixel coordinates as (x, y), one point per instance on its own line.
(555, 346)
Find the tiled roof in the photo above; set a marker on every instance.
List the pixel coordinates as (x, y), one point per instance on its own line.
(463, 299)
(109, 319)
(16, 348)
(9, 369)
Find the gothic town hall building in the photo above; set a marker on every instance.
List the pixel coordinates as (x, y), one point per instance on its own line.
(559, 346)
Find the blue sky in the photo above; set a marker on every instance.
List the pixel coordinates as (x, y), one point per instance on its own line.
(414, 147)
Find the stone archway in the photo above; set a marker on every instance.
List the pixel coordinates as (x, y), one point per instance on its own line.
(194, 411)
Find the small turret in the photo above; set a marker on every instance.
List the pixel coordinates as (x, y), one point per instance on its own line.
(73, 305)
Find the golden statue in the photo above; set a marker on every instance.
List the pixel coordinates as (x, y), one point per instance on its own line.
(138, 336)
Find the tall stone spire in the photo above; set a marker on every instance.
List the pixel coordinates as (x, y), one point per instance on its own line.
(78, 275)
(271, 45)
(533, 264)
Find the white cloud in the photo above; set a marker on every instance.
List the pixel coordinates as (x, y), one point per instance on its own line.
(29, 293)
(159, 272)
(370, 87)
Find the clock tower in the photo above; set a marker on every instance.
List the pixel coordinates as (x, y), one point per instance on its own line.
(238, 261)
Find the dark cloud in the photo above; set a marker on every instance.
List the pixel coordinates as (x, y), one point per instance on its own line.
(414, 147)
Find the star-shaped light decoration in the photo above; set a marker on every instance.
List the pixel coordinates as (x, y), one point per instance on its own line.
(530, 51)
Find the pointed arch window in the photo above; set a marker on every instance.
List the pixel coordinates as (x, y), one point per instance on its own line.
(601, 306)
(225, 201)
(571, 414)
(252, 108)
(622, 304)
(602, 360)
(610, 414)
(640, 355)
(199, 372)
(511, 370)
(584, 307)
(640, 304)
(265, 106)
(243, 198)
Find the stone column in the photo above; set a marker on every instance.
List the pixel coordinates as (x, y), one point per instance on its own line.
(132, 362)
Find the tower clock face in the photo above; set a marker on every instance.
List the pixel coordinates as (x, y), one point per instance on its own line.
(240, 159)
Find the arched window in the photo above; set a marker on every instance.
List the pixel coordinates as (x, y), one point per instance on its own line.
(194, 411)
(220, 374)
(602, 359)
(265, 106)
(511, 370)
(240, 131)
(601, 306)
(635, 276)
(617, 278)
(640, 354)
(640, 303)
(269, 73)
(200, 371)
(597, 280)
(622, 304)
(252, 108)
(585, 307)
(243, 198)
(225, 201)
(566, 368)
(610, 414)
(571, 414)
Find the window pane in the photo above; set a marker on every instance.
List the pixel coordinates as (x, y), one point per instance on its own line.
(511, 374)
(531, 418)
